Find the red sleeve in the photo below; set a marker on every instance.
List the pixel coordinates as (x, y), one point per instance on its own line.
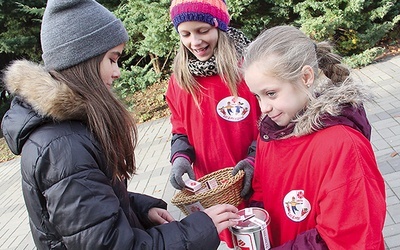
(362, 225)
(352, 215)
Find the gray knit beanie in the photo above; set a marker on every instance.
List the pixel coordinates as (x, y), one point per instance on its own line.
(74, 31)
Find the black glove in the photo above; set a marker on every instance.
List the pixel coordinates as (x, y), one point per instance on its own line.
(180, 166)
(248, 169)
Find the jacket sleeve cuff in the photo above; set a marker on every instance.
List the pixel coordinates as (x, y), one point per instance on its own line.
(250, 160)
(309, 239)
(180, 155)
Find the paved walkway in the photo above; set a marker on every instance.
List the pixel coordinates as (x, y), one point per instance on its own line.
(153, 165)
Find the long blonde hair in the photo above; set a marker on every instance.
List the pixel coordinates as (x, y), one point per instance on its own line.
(227, 67)
(107, 118)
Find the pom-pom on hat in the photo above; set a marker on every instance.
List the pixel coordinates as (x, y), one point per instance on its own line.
(74, 31)
(213, 12)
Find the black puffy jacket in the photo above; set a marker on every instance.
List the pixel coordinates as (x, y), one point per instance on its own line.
(71, 200)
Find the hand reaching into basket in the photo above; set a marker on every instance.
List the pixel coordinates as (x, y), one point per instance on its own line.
(180, 166)
(247, 166)
(223, 216)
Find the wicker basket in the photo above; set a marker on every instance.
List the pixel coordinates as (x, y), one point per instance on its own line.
(227, 191)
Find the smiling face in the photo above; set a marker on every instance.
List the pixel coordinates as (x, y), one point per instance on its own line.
(109, 69)
(199, 38)
(279, 99)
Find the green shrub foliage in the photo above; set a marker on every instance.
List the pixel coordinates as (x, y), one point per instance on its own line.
(355, 27)
(352, 25)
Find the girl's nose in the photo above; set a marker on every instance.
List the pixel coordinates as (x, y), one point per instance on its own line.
(116, 73)
(265, 107)
(196, 40)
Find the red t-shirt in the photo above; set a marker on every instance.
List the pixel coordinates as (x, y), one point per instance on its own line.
(328, 180)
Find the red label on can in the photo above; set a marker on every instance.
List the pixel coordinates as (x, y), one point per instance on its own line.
(244, 241)
(251, 233)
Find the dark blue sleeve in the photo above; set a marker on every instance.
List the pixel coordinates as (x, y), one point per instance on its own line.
(141, 204)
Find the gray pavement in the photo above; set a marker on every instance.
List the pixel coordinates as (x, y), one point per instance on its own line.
(153, 162)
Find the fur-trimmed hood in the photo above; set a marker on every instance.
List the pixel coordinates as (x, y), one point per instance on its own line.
(331, 105)
(48, 97)
(39, 99)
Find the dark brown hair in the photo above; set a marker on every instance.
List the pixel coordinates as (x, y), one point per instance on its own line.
(107, 118)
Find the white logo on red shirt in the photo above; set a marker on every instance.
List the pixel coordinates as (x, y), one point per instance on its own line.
(233, 108)
(296, 206)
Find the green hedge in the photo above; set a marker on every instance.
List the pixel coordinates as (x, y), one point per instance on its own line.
(354, 26)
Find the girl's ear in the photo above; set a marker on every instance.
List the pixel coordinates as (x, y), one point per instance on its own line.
(308, 76)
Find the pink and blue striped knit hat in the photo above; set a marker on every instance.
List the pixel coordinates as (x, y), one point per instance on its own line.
(213, 12)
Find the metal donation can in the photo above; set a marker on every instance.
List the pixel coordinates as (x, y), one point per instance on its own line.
(251, 232)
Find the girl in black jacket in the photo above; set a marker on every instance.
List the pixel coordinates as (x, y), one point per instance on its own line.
(77, 144)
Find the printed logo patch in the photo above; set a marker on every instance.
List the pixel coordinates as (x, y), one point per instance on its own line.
(233, 109)
(296, 206)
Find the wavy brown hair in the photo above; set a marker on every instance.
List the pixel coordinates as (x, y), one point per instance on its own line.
(107, 118)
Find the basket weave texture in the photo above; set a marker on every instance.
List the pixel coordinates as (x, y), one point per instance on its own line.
(228, 191)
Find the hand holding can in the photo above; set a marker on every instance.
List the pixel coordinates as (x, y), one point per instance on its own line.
(251, 232)
(223, 216)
